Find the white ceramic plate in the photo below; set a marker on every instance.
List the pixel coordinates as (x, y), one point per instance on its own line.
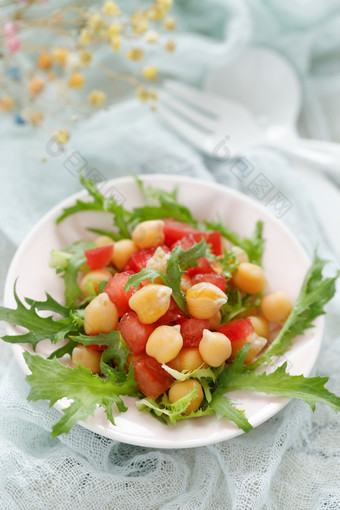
(285, 265)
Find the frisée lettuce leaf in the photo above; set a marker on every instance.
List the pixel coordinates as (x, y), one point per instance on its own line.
(50, 380)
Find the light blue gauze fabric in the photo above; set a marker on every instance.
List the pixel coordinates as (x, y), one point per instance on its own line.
(291, 462)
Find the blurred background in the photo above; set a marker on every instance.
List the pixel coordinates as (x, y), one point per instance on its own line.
(85, 84)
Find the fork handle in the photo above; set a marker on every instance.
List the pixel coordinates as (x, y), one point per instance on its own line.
(319, 153)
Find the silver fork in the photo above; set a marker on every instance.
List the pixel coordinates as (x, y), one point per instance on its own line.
(223, 129)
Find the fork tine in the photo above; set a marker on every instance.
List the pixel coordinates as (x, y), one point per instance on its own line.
(190, 133)
(203, 100)
(187, 111)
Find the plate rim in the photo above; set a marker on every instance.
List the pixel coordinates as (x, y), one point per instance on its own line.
(115, 434)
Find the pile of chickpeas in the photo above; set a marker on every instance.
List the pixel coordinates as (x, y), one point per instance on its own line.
(204, 301)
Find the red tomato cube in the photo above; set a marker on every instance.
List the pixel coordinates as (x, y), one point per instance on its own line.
(216, 279)
(237, 329)
(174, 314)
(97, 258)
(115, 290)
(152, 379)
(140, 258)
(134, 332)
(203, 266)
(192, 332)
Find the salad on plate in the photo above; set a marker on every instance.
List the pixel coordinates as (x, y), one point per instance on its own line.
(167, 309)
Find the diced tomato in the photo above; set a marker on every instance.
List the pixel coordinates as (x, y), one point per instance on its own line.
(192, 331)
(186, 242)
(237, 329)
(134, 332)
(175, 231)
(174, 314)
(115, 290)
(97, 258)
(203, 266)
(215, 239)
(152, 379)
(140, 258)
(216, 279)
(96, 347)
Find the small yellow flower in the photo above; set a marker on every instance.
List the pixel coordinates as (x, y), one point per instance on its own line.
(110, 9)
(170, 45)
(86, 36)
(95, 21)
(36, 85)
(85, 58)
(134, 53)
(62, 136)
(164, 4)
(151, 37)
(140, 26)
(51, 76)
(35, 117)
(6, 103)
(143, 94)
(150, 73)
(115, 42)
(169, 24)
(155, 13)
(96, 97)
(114, 28)
(60, 55)
(44, 61)
(76, 81)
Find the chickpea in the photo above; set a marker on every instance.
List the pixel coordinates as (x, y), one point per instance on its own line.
(148, 233)
(92, 280)
(249, 278)
(260, 325)
(122, 251)
(215, 348)
(100, 316)
(151, 302)
(103, 241)
(164, 343)
(185, 282)
(215, 320)
(88, 358)
(187, 359)
(181, 389)
(276, 307)
(240, 254)
(204, 300)
(257, 343)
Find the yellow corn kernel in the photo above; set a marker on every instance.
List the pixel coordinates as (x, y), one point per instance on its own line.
(159, 260)
(188, 359)
(122, 251)
(103, 241)
(148, 233)
(151, 302)
(249, 278)
(260, 325)
(181, 389)
(215, 348)
(90, 282)
(88, 358)
(164, 343)
(204, 300)
(100, 316)
(215, 320)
